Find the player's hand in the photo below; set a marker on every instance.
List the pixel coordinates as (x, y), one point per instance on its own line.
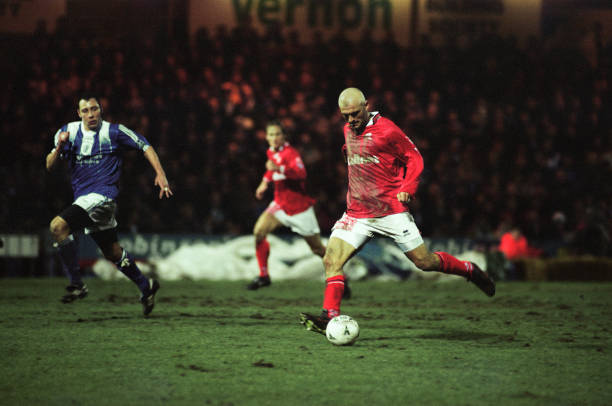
(261, 189)
(62, 139)
(404, 197)
(271, 166)
(164, 187)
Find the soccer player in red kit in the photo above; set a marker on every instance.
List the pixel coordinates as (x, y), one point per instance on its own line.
(383, 170)
(291, 206)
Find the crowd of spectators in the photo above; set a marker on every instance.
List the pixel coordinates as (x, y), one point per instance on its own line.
(511, 135)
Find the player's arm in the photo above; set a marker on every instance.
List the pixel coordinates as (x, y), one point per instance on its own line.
(271, 166)
(160, 174)
(52, 158)
(414, 167)
(263, 185)
(61, 138)
(132, 140)
(294, 168)
(408, 153)
(261, 189)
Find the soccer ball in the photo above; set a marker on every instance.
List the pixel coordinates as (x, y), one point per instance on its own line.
(342, 330)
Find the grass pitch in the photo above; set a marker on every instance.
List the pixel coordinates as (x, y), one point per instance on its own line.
(214, 343)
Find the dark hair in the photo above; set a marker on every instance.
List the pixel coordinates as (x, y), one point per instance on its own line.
(87, 96)
(276, 122)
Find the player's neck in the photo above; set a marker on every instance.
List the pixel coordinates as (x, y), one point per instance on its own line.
(85, 128)
(279, 148)
(360, 130)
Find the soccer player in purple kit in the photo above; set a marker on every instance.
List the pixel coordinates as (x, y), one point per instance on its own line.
(93, 150)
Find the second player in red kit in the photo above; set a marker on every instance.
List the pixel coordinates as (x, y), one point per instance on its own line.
(292, 206)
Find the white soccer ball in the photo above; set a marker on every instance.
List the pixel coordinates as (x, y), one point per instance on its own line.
(342, 330)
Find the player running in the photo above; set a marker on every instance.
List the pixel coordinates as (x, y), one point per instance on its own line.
(291, 206)
(93, 149)
(383, 170)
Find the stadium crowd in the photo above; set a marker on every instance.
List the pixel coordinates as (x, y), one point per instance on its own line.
(511, 135)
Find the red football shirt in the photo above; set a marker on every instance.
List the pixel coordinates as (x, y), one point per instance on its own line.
(289, 180)
(382, 161)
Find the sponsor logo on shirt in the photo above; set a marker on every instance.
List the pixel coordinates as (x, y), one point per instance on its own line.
(363, 160)
(81, 160)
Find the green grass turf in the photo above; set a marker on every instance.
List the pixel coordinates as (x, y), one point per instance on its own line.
(214, 343)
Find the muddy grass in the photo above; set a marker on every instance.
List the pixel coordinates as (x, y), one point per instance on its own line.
(216, 343)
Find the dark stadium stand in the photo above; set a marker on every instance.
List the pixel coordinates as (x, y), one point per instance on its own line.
(510, 135)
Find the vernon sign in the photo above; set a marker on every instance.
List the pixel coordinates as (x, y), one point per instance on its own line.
(406, 20)
(317, 13)
(304, 16)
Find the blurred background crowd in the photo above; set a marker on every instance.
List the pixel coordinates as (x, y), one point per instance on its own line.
(512, 136)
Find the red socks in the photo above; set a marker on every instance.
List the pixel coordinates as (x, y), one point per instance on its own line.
(450, 264)
(334, 288)
(262, 251)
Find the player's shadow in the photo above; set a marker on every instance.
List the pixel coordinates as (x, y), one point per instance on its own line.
(96, 319)
(250, 320)
(462, 335)
(385, 338)
(450, 335)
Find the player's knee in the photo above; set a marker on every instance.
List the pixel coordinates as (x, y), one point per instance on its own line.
(112, 252)
(59, 229)
(320, 251)
(260, 235)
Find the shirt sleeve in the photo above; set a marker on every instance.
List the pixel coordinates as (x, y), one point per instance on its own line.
(56, 138)
(407, 153)
(131, 139)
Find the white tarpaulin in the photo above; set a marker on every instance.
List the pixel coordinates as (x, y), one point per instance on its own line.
(235, 260)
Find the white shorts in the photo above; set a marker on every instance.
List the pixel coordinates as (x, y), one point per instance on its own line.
(101, 211)
(304, 223)
(400, 227)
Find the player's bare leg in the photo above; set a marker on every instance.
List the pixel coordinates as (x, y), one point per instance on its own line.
(424, 259)
(317, 247)
(337, 253)
(315, 244)
(265, 224)
(444, 262)
(59, 228)
(68, 253)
